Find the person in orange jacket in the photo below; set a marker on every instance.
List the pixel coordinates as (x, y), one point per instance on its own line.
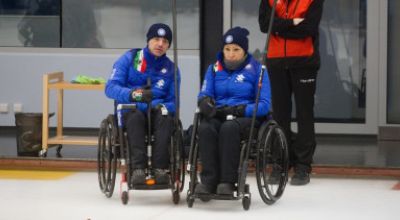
(293, 61)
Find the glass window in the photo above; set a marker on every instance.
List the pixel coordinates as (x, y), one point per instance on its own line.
(30, 23)
(124, 23)
(340, 95)
(94, 23)
(393, 78)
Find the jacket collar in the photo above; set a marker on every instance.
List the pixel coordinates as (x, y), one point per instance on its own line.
(220, 58)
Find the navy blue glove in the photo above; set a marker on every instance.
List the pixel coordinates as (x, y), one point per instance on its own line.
(237, 111)
(207, 107)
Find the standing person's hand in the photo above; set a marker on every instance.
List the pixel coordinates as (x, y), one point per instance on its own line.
(297, 21)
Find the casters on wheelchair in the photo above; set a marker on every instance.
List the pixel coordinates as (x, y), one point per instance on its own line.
(125, 197)
(246, 203)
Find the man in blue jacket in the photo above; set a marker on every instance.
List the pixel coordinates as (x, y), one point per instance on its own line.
(226, 101)
(146, 77)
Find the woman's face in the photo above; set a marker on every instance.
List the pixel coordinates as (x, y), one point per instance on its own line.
(233, 52)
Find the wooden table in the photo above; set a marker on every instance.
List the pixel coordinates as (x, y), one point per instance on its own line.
(56, 81)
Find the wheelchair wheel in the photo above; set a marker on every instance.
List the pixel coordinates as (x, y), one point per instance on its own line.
(177, 167)
(189, 201)
(272, 162)
(107, 156)
(246, 201)
(125, 197)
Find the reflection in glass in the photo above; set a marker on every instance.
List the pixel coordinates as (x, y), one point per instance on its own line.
(80, 29)
(123, 24)
(30, 23)
(393, 78)
(340, 95)
(93, 23)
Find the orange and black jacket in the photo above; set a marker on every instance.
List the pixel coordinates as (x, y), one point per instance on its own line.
(292, 46)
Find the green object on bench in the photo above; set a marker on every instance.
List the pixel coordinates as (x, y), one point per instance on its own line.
(82, 79)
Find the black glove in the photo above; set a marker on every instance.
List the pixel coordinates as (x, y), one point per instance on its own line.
(237, 111)
(142, 95)
(207, 106)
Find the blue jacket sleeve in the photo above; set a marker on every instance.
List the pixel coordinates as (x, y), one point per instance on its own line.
(264, 103)
(207, 89)
(169, 102)
(116, 86)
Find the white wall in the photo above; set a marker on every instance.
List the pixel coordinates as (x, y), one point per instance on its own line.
(22, 69)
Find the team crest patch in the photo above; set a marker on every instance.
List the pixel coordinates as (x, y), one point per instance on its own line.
(248, 66)
(161, 32)
(164, 71)
(160, 84)
(229, 39)
(240, 78)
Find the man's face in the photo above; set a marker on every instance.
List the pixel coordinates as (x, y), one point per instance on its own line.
(158, 46)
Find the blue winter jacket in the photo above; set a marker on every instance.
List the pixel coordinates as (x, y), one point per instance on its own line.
(125, 78)
(238, 87)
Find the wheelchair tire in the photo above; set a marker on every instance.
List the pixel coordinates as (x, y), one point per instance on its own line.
(246, 201)
(176, 197)
(272, 162)
(190, 201)
(124, 197)
(177, 160)
(107, 156)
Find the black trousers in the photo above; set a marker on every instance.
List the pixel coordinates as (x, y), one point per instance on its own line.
(136, 128)
(219, 149)
(301, 84)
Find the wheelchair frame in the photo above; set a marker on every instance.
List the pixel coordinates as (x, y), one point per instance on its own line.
(270, 143)
(113, 152)
(265, 153)
(108, 152)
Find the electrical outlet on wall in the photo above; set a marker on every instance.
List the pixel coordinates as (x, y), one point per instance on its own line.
(3, 107)
(17, 107)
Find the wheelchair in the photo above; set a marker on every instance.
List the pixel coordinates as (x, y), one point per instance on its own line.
(269, 153)
(113, 154)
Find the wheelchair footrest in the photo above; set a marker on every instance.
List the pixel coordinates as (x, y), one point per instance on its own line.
(150, 187)
(216, 197)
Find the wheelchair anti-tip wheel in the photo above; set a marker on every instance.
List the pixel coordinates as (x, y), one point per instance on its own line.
(107, 156)
(272, 162)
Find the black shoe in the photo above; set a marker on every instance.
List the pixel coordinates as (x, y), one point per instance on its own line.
(301, 177)
(203, 189)
(138, 177)
(161, 176)
(225, 188)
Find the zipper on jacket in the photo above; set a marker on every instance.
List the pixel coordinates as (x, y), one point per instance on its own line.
(287, 15)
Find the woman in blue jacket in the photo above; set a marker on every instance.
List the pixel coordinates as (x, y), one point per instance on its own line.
(146, 76)
(226, 102)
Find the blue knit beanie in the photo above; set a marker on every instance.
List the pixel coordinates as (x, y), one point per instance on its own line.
(237, 35)
(159, 30)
